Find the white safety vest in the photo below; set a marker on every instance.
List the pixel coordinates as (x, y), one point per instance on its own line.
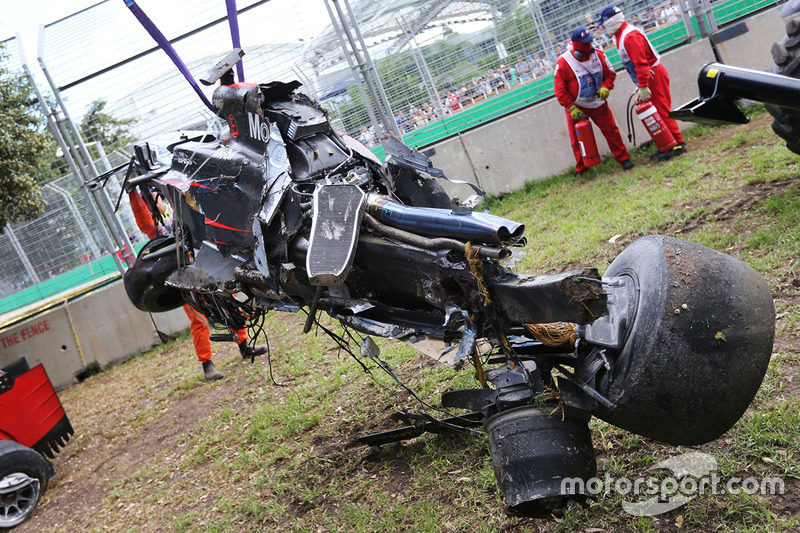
(626, 59)
(590, 77)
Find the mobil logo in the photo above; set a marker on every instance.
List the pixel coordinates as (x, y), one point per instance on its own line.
(258, 129)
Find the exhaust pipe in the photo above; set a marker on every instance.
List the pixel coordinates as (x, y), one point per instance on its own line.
(499, 254)
(432, 222)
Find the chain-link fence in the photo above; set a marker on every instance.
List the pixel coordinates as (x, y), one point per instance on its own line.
(444, 66)
(64, 248)
(450, 66)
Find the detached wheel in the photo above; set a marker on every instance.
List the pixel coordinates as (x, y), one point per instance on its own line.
(23, 479)
(698, 346)
(786, 55)
(145, 280)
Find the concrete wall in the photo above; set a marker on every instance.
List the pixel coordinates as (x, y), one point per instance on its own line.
(748, 43)
(533, 143)
(102, 327)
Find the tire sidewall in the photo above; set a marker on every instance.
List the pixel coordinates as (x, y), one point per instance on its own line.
(643, 262)
(145, 280)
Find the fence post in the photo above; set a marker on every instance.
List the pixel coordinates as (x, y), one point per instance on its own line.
(22, 256)
(696, 13)
(366, 69)
(709, 14)
(73, 138)
(687, 20)
(87, 235)
(360, 81)
(422, 65)
(52, 123)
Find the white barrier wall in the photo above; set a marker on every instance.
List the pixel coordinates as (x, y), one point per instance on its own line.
(46, 338)
(100, 328)
(533, 144)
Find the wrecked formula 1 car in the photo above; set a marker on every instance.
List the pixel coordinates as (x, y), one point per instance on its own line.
(281, 212)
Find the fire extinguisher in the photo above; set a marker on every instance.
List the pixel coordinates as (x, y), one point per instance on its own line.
(588, 146)
(655, 126)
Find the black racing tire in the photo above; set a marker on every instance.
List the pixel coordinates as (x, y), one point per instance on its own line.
(145, 281)
(786, 55)
(698, 345)
(24, 474)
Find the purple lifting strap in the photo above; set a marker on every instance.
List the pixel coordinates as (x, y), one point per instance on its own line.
(165, 45)
(233, 21)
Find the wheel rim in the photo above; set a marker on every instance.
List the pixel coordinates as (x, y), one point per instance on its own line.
(18, 496)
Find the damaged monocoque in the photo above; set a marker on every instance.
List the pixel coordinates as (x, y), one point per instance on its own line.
(281, 212)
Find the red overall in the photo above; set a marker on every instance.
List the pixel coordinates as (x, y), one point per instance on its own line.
(646, 70)
(567, 89)
(198, 324)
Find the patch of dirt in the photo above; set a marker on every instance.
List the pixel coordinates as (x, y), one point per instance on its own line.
(729, 208)
(789, 501)
(86, 472)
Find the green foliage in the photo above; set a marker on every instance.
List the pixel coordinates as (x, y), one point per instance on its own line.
(23, 146)
(401, 78)
(459, 63)
(353, 112)
(769, 438)
(98, 125)
(517, 32)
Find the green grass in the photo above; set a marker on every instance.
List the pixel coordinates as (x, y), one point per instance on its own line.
(570, 222)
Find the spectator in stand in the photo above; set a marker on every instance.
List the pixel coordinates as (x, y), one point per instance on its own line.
(486, 84)
(545, 64)
(512, 76)
(497, 81)
(452, 101)
(418, 117)
(583, 80)
(367, 136)
(429, 113)
(643, 64)
(523, 69)
(669, 13)
(400, 119)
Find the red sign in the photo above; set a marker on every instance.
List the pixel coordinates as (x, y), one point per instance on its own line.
(24, 334)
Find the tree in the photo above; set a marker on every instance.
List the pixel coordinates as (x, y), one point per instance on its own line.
(518, 33)
(402, 81)
(24, 146)
(353, 112)
(97, 125)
